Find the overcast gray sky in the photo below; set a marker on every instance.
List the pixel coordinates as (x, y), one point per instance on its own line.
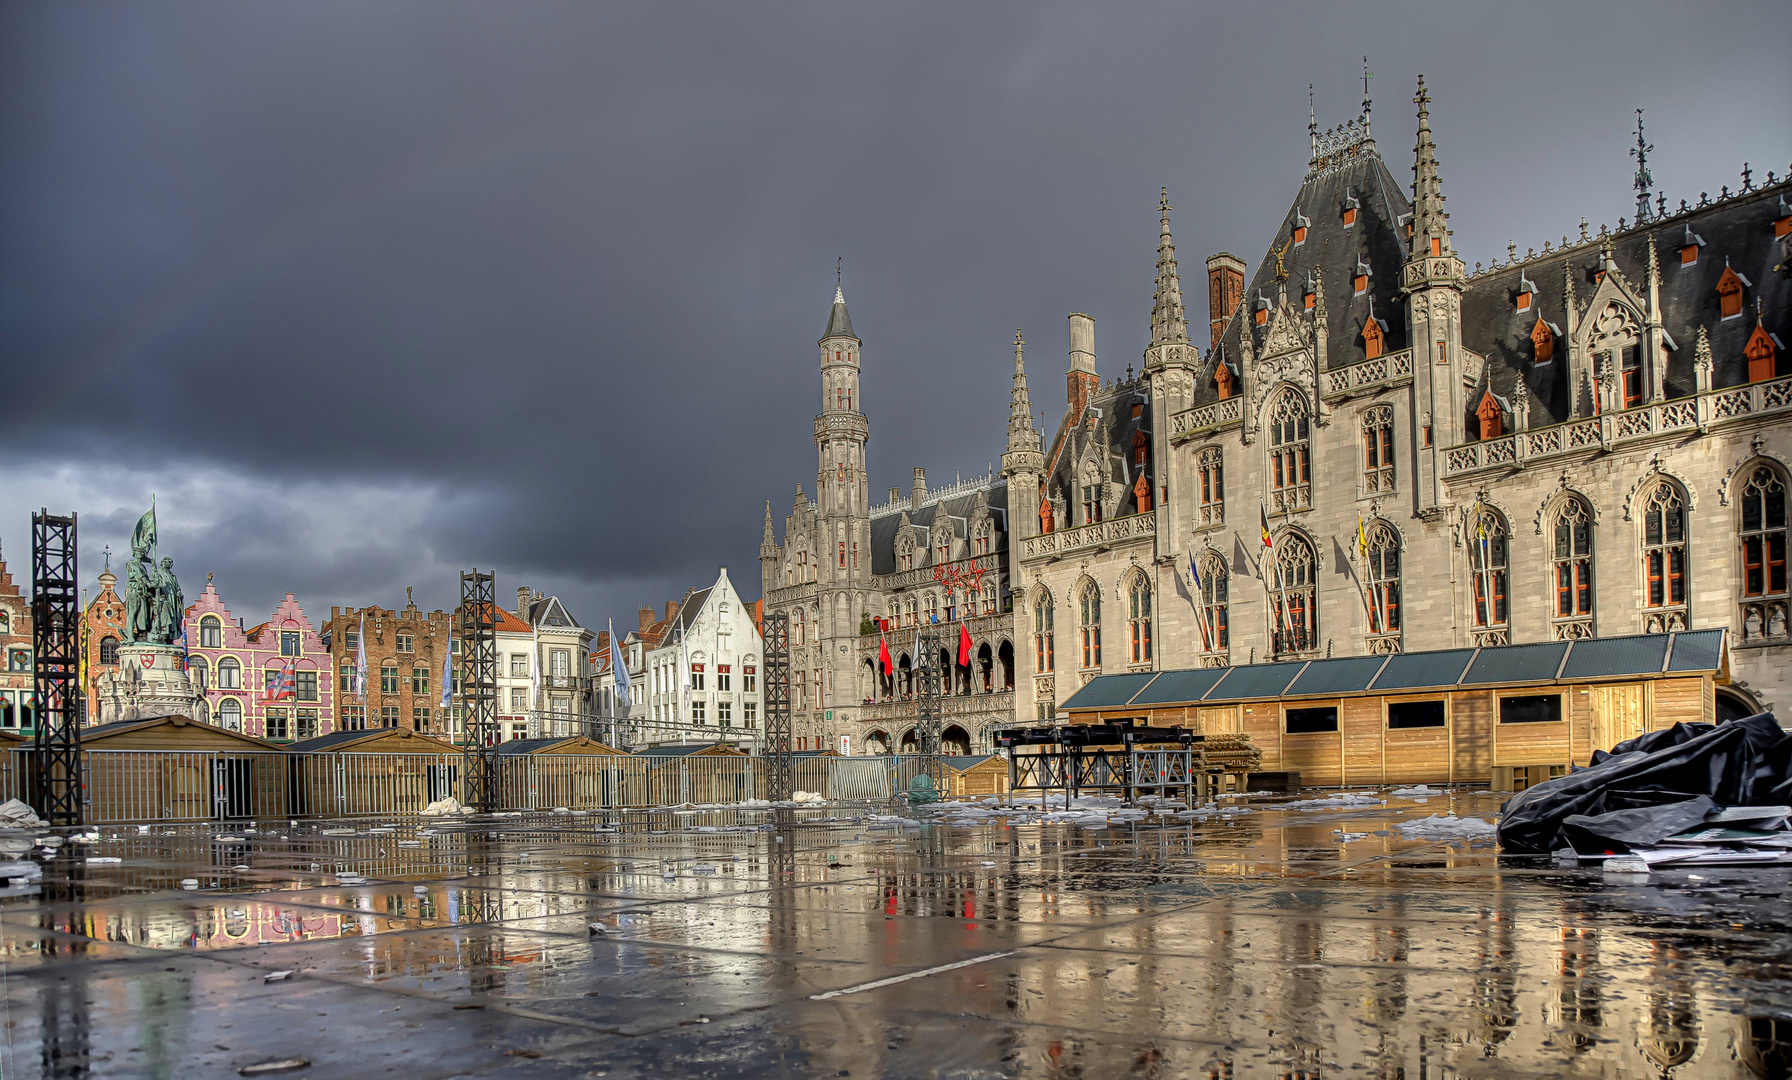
(369, 293)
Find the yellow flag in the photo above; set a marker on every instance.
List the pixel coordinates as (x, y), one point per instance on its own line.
(1362, 537)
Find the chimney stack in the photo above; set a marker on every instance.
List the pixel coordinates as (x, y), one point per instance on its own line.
(919, 492)
(1225, 288)
(671, 610)
(522, 602)
(646, 616)
(895, 493)
(1082, 381)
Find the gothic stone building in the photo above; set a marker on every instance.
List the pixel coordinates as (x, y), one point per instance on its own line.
(851, 576)
(1380, 450)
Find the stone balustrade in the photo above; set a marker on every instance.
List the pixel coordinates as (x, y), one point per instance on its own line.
(1065, 541)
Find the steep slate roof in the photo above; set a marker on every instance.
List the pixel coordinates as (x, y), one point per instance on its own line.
(687, 611)
(1114, 431)
(885, 527)
(839, 323)
(540, 611)
(1737, 232)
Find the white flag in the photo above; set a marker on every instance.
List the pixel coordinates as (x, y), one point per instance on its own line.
(684, 689)
(447, 668)
(361, 659)
(534, 667)
(619, 670)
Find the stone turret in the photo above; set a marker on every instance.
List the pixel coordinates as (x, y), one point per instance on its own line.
(1022, 462)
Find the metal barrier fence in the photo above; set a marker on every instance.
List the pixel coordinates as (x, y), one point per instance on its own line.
(135, 786)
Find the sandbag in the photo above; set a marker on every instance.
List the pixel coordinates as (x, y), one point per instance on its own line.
(1737, 763)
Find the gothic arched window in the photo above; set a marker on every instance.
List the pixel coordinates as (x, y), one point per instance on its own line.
(1044, 659)
(1296, 597)
(1210, 468)
(1664, 555)
(1764, 555)
(210, 633)
(1138, 619)
(1487, 563)
(1089, 625)
(1572, 558)
(1288, 453)
(1092, 492)
(1378, 449)
(1216, 634)
(1384, 580)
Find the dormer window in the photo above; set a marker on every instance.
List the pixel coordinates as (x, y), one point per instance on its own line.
(1761, 350)
(1543, 342)
(1729, 292)
(1138, 410)
(1488, 413)
(1373, 338)
(1526, 289)
(1690, 243)
(1782, 222)
(1222, 380)
(1351, 206)
(1524, 301)
(1310, 297)
(1359, 284)
(1300, 228)
(1261, 309)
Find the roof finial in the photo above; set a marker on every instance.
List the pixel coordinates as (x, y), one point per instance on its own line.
(1367, 75)
(1169, 324)
(839, 260)
(1312, 122)
(1643, 180)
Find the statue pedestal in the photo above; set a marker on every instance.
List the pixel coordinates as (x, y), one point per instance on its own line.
(151, 681)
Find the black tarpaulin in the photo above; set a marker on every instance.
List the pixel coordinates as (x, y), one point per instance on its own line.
(1739, 763)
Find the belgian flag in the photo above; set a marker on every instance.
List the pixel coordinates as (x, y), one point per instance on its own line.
(1264, 514)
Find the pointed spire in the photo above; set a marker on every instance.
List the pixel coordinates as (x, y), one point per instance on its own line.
(1169, 323)
(1312, 124)
(1430, 231)
(1021, 433)
(1644, 181)
(839, 323)
(767, 536)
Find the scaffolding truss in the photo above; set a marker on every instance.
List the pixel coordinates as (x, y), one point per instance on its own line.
(1119, 758)
(478, 632)
(775, 690)
(929, 675)
(56, 666)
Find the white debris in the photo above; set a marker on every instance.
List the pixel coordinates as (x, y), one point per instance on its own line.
(189, 883)
(1419, 792)
(807, 797)
(276, 976)
(1627, 866)
(442, 807)
(16, 815)
(1446, 827)
(1332, 802)
(26, 870)
(92, 859)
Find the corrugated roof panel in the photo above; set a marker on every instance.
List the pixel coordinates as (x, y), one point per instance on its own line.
(1108, 691)
(1344, 675)
(1256, 681)
(1697, 650)
(1412, 671)
(1179, 686)
(1517, 663)
(1595, 657)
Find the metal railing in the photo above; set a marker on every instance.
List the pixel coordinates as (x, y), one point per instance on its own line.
(178, 786)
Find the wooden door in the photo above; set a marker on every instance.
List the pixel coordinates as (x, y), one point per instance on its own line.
(1218, 721)
(1617, 714)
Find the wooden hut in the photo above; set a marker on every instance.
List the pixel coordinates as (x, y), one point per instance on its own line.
(379, 771)
(976, 774)
(174, 768)
(575, 772)
(702, 773)
(1507, 715)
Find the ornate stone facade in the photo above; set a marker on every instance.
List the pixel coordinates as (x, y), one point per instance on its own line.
(851, 576)
(1528, 452)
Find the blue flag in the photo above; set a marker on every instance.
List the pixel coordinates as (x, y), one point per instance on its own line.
(620, 670)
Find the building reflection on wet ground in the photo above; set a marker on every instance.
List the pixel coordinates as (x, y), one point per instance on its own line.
(825, 944)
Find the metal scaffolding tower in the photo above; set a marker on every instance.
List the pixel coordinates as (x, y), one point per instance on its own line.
(478, 632)
(929, 696)
(776, 693)
(56, 658)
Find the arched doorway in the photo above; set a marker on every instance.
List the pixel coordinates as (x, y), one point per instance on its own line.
(955, 740)
(986, 669)
(877, 742)
(1733, 704)
(909, 744)
(905, 676)
(1005, 657)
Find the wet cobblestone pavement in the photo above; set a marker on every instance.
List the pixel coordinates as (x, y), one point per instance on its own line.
(1296, 943)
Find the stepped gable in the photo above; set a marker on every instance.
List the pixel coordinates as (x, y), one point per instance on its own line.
(1330, 254)
(1739, 229)
(887, 525)
(1106, 431)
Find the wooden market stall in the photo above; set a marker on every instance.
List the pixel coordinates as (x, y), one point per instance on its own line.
(173, 768)
(575, 772)
(975, 774)
(699, 773)
(379, 771)
(1507, 715)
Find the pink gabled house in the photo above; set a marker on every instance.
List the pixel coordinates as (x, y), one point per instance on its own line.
(271, 681)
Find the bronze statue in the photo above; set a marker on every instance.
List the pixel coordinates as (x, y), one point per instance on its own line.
(152, 598)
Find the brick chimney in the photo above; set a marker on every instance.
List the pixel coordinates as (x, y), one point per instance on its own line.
(1082, 381)
(646, 616)
(1225, 288)
(919, 491)
(671, 609)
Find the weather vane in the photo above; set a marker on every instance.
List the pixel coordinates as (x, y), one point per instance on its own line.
(838, 260)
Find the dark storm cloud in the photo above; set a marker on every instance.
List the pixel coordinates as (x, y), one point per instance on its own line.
(380, 291)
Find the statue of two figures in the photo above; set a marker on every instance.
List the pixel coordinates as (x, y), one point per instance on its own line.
(152, 599)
